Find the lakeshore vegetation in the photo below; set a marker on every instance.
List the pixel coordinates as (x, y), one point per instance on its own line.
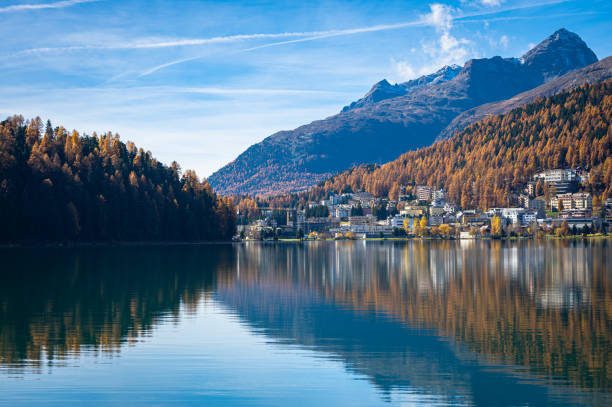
(60, 186)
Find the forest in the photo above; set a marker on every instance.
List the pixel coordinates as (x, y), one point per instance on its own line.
(60, 186)
(489, 162)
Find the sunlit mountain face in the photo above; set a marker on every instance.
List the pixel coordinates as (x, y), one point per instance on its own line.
(438, 323)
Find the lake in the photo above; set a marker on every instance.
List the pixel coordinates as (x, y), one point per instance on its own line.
(350, 323)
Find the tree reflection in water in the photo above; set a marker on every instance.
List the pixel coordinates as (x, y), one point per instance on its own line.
(387, 310)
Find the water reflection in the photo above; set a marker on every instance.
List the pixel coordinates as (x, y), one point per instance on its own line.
(479, 322)
(54, 302)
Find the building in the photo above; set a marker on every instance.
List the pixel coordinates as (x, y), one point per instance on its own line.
(538, 205)
(397, 222)
(424, 193)
(413, 211)
(403, 196)
(361, 220)
(365, 199)
(580, 223)
(563, 202)
(513, 215)
(342, 211)
(529, 217)
(531, 188)
(449, 208)
(557, 175)
(575, 214)
(564, 180)
(318, 224)
(436, 211)
(439, 194)
(524, 200)
(472, 217)
(435, 220)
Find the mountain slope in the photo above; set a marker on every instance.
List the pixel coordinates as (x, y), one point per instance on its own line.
(392, 119)
(482, 165)
(597, 72)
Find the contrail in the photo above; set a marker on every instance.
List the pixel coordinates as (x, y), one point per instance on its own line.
(57, 4)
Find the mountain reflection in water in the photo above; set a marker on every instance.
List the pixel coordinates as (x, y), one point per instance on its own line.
(478, 322)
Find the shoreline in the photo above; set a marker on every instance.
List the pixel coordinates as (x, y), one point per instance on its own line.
(70, 245)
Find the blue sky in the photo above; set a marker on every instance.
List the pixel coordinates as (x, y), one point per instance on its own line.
(200, 81)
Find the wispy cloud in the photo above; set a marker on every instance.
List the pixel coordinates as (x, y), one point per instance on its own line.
(57, 4)
(181, 42)
(441, 17)
(526, 6)
(308, 36)
(492, 3)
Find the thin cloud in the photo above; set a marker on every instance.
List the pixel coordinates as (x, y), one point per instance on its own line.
(514, 8)
(166, 65)
(169, 43)
(317, 35)
(57, 4)
(312, 36)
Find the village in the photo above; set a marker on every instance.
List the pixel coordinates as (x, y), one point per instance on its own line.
(562, 210)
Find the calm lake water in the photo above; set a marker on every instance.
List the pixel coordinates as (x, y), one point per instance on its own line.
(321, 323)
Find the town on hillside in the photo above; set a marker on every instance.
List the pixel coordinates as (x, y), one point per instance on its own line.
(552, 202)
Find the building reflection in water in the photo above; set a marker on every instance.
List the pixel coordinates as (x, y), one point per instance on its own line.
(545, 306)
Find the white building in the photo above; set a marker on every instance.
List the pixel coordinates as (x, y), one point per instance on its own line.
(557, 175)
(398, 221)
(529, 217)
(514, 215)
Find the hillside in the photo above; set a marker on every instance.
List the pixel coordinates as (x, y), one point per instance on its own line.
(597, 72)
(482, 165)
(57, 186)
(392, 119)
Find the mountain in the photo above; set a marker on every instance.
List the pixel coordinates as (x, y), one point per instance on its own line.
(484, 165)
(384, 90)
(392, 119)
(597, 72)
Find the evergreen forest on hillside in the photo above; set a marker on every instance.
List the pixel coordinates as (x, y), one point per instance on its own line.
(60, 186)
(492, 160)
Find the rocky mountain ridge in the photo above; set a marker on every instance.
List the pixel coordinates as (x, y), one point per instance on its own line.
(392, 119)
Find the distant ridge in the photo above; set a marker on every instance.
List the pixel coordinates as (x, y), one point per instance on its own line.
(392, 119)
(597, 72)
